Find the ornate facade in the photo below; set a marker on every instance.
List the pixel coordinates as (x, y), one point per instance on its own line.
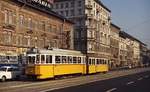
(24, 24)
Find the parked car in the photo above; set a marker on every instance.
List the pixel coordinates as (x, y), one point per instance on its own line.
(9, 72)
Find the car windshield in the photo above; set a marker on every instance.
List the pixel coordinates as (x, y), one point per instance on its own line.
(3, 69)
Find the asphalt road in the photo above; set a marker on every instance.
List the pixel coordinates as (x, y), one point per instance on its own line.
(131, 83)
(121, 81)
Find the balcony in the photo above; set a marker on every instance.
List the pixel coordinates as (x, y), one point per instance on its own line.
(89, 16)
(89, 6)
(98, 9)
(9, 27)
(91, 27)
(29, 31)
(91, 38)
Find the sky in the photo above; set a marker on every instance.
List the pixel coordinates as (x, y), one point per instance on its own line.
(132, 16)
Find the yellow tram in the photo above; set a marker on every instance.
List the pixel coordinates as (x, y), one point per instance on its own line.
(42, 64)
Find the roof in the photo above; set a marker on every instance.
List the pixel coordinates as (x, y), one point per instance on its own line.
(112, 24)
(126, 35)
(99, 2)
(42, 8)
(33, 51)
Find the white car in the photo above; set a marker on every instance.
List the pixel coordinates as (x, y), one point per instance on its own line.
(9, 72)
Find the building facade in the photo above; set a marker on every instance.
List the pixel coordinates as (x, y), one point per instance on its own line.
(26, 24)
(114, 45)
(136, 53)
(129, 50)
(92, 25)
(143, 54)
(122, 50)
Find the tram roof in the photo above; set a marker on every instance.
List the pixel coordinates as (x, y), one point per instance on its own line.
(59, 52)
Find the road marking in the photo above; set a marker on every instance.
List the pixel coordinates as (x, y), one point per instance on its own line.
(110, 90)
(131, 82)
(146, 76)
(140, 79)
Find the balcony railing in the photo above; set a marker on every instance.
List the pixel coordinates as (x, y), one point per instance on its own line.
(9, 27)
(89, 6)
(89, 16)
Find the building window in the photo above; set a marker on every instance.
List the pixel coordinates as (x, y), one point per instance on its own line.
(6, 16)
(29, 23)
(57, 6)
(49, 28)
(8, 38)
(28, 41)
(72, 4)
(79, 3)
(20, 40)
(62, 12)
(89, 46)
(62, 5)
(9, 17)
(1, 38)
(14, 39)
(80, 11)
(42, 26)
(72, 12)
(21, 20)
(67, 5)
(67, 13)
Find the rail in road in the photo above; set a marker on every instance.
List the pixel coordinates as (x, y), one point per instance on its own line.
(43, 86)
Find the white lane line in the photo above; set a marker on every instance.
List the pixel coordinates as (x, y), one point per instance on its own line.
(131, 82)
(146, 76)
(110, 90)
(140, 79)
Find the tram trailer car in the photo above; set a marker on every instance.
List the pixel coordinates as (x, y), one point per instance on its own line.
(43, 64)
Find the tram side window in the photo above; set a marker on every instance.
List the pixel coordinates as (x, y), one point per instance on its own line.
(64, 59)
(97, 61)
(100, 61)
(84, 60)
(69, 59)
(103, 61)
(38, 59)
(57, 59)
(90, 61)
(93, 61)
(31, 59)
(79, 60)
(42, 58)
(48, 59)
(74, 59)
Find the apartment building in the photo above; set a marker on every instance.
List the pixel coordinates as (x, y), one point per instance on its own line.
(129, 50)
(143, 54)
(92, 25)
(114, 45)
(122, 49)
(29, 23)
(136, 53)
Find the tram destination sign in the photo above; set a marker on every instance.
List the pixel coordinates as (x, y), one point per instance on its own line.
(46, 3)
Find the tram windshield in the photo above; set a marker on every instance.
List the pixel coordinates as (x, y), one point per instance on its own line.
(31, 59)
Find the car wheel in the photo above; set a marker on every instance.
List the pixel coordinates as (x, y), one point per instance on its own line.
(3, 79)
